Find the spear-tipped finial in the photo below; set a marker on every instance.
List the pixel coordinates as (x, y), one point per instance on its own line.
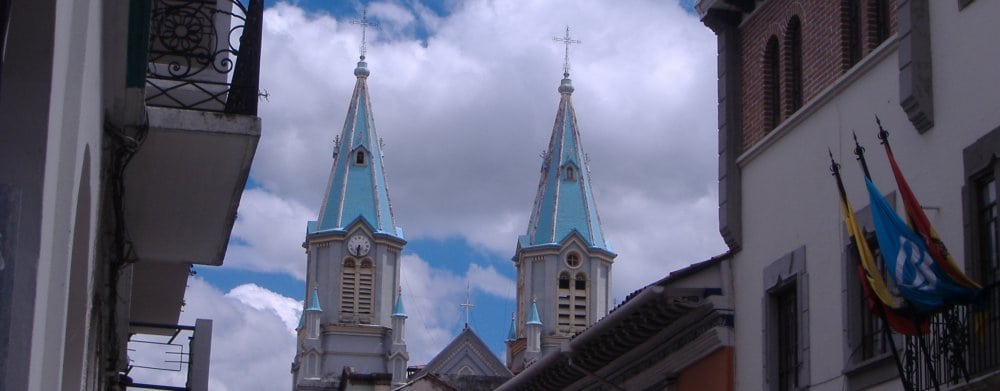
(834, 166)
(567, 40)
(859, 151)
(882, 133)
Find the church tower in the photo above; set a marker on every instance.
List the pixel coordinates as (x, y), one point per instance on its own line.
(353, 265)
(563, 262)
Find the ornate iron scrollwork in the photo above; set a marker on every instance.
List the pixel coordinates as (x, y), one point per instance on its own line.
(196, 51)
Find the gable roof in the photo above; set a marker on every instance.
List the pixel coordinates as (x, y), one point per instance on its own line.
(467, 350)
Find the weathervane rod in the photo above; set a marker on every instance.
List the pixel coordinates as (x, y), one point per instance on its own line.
(364, 23)
(567, 41)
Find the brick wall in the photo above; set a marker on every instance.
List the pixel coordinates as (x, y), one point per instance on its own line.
(825, 45)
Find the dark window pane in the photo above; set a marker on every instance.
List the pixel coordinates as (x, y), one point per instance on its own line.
(788, 334)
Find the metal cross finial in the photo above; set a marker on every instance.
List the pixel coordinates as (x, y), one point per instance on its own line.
(468, 302)
(567, 41)
(364, 23)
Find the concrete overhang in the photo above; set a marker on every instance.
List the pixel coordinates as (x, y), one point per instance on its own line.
(157, 293)
(183, 186)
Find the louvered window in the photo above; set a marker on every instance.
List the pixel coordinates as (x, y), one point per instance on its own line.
(349, 287)
(572, 303)
(366, 278)
(357, 288)
(580, 302)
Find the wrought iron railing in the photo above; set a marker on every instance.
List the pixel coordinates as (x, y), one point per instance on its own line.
(205, 55)
(963, 345)
(169, 357)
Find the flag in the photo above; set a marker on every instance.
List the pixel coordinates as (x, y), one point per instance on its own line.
(881, 301)
(913, 325)
(874, 281)
(922, 226)
(908, 262)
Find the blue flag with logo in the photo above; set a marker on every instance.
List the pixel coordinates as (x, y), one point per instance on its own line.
(919, 279)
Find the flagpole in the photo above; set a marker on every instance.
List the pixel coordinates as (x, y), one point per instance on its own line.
(933, 243)
(859, 151)
(835, 169)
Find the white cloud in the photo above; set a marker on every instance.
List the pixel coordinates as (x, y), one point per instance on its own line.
(432, 297)
(252, 345)
(464, 114)
(286, 308)
(488, 280)
(268, 234)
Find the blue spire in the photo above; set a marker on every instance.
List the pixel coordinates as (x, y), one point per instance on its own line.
(314, 301)
(565, 203)
(512, 332)
(398, 309)
(534, 318)
(357, 187)
(302, 321)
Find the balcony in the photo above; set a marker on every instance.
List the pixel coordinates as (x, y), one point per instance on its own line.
(184, 183)
(962, 351)
(193, 75)
(169, 357)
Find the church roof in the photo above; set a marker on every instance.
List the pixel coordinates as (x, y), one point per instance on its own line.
(466, 355)
(314, 301)
(512, 331)
(565, 202)
(357, 187)
(398, 309)
(533, 318)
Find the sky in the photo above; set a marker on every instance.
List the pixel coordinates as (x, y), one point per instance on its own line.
(464, 95)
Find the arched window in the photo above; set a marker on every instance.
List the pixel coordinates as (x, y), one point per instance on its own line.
(312, 365)
(771, 83)
(349, 287)
(793, 65)
(878, 22)
(572, 303)
(580, 301)
(359, 157)
(852, 43)
(564, 303)
(357, 290)
(570, 172)
(366, 278)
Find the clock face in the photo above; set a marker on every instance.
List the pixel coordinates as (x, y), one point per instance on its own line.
(358, 245)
